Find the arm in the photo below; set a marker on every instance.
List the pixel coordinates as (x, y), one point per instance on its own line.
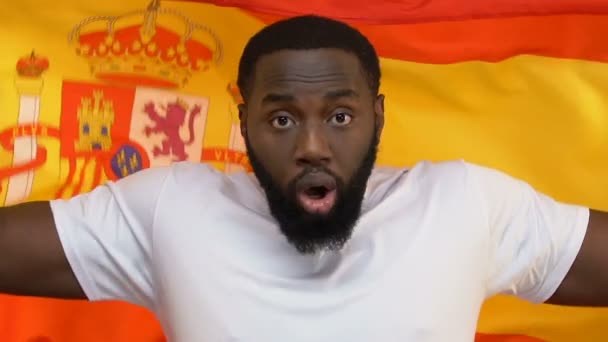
(533, 239)
(587, 281)
(32, 260)
(96, 245)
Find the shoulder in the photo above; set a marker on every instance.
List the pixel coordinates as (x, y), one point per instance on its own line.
(460, 177)
(423, 178)
(158, 180)
(422, 172)
(202, 181)
(196, 175)
(449, 170)
(190, 173)
(385, 181)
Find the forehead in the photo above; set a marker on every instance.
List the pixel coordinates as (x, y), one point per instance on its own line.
(297, 71)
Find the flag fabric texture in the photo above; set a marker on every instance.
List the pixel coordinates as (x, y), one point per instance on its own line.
(95, 91)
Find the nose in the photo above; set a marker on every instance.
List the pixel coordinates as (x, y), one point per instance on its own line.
(312, 147)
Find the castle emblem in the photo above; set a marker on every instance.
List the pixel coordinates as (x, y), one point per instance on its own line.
(95, 119)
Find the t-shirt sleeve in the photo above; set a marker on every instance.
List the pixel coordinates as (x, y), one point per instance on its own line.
(107, 237)
(534, 239)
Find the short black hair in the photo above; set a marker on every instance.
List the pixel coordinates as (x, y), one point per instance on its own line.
(306, 33)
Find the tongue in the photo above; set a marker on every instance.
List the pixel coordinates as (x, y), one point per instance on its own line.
(316, 204)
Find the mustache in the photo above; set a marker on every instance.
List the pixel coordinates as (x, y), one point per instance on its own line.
(314, 169)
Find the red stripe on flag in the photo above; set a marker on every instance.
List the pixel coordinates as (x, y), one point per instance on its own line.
(412, 11)
(505, 338)
(490, 40)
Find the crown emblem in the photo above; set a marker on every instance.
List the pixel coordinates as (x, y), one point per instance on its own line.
(32, 65)
(135, 49)
(182, 104)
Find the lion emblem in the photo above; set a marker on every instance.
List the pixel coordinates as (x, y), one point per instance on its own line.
(175, 115)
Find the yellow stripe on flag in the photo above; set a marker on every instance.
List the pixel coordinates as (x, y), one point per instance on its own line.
(541, 119)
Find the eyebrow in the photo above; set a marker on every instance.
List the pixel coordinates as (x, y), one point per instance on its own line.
(336, 94)
(274, 98)
(330, 95)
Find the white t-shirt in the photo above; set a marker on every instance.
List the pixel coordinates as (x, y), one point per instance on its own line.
(200, 249)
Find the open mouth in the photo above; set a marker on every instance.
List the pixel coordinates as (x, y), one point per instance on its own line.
(316, 192)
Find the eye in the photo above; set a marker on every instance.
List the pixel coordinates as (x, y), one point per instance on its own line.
(341, 119)
(282, 122)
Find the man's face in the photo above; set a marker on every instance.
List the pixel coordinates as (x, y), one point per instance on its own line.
(311, 125)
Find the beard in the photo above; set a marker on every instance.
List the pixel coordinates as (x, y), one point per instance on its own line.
(309, 232)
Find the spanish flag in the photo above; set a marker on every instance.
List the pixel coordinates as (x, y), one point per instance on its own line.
(517, 85)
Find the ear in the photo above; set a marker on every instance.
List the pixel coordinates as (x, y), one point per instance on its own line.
(379, 111)
(243, 119)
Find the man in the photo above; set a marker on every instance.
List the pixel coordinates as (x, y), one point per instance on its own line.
(317, 245)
